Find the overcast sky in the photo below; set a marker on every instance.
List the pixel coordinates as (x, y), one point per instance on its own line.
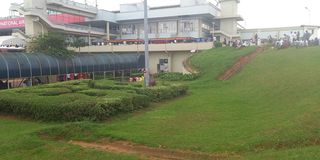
(257, 13)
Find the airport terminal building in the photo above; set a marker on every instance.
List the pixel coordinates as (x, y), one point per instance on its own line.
(191, 19)
(175, 31)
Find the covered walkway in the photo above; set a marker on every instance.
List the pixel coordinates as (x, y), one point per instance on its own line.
(26, 65)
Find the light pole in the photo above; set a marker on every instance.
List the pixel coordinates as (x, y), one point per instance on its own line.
(89, 35)
(309, 13)
(146, 45)
(213, 35)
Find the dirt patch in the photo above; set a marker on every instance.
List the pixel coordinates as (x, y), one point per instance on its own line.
(188, 66)
(150, 153)
(287, 144)
(8, 117)
(240, 63)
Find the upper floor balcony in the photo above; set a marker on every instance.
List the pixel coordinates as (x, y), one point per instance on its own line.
(72, 7)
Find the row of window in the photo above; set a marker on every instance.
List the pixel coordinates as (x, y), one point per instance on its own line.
(169, 27)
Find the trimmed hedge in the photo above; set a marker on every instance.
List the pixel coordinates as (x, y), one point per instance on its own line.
(66, 107)
(218, 44)
(83, 100)
(160, 93)
(173, 76)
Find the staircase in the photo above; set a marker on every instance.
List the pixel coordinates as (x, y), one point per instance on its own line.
(20, 34)
(70, 28)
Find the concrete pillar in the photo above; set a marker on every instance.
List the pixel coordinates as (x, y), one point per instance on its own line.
(108, 30)
(229, 17)
(178, 29)
(34, 25)
(89, 36)
(199, 28)
(170, 59)
(157, 34)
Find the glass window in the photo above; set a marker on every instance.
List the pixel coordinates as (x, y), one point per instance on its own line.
(128, 29)
(153, 28)
(168, 27)
(187, 26)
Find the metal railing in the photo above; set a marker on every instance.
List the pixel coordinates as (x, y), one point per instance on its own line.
(75, 4)
(18, 31)
(85, 28)
(15, 6)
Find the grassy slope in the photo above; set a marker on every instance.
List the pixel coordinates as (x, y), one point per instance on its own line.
(18, 142)
(269, 110)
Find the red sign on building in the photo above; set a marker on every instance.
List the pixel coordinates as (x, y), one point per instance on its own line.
(56, 18)
(12, 23)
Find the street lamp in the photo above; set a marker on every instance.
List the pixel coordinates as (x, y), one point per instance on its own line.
(213, 34)
(309, 12)
(146, 45)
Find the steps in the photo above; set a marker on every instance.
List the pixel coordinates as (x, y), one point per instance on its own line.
(240, 63)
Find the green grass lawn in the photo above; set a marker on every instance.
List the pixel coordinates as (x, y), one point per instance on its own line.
(270, 110)
(18, 141)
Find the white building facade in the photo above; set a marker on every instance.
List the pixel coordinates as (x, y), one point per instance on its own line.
(197, 19)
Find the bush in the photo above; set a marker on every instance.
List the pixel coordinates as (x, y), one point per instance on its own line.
(217, 44)
(173, 76)
(94, 92)
(111, 85)
(55, 91)
(67, 107)
(75, 101)
(128, 103)
(159, 93)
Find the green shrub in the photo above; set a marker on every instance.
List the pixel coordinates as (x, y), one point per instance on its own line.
(218, 44)
(55, 91)
(44, 91)
(128, 103)
(109, 85)
(174, 76)
(94, 92)
(159, 93)
(66, 107)
(75, 101)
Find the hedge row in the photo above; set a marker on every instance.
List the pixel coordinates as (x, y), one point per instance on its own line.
(172, 76)
(160, 93)
(77, 101)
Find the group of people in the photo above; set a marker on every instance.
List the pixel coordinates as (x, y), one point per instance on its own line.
(136, 79)
(295, 39)
(73, 76)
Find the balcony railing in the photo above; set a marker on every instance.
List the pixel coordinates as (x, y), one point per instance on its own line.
(75, 4)
(85, 28)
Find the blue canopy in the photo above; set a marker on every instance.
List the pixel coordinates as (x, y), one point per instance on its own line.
(22, 65)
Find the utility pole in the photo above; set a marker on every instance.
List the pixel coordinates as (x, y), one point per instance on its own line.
(309, 14)
(146, 45)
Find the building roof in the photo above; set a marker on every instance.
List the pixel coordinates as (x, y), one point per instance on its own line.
(11, 40)
(280, 28)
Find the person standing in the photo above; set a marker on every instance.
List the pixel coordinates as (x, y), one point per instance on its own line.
(256, 38)
(298, 36)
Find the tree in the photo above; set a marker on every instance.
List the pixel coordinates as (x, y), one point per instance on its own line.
(78, 42)
(53, 44)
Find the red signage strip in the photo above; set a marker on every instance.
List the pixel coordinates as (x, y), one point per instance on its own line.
(55, 18)
(12, 23)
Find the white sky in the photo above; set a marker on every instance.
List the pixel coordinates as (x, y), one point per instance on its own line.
(257, 13)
